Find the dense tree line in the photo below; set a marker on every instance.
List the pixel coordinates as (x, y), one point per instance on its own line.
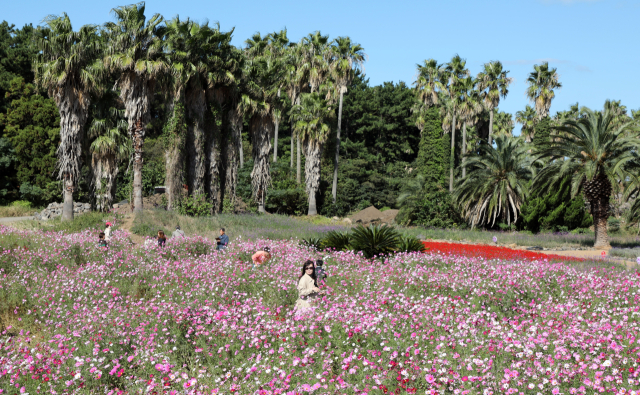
(107, 112)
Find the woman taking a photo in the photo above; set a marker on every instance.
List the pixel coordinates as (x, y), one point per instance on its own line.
(306, 286)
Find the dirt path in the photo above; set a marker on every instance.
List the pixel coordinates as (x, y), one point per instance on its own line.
(7, 220)
(127, 223)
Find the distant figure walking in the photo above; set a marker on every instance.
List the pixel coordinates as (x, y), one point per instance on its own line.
(178, 232)
(222, 241)
(161, 238)
(307, 289)
(107, 231)
(261, 257)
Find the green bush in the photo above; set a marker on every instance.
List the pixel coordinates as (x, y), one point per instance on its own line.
(613, 224)
(336, 240)
(194, 206)
(21, 203)
(410, 244)
(312, 242)
(374, 240)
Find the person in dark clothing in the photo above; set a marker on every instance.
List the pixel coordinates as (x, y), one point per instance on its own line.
(102, 240)
(161, 238)
(222, 241)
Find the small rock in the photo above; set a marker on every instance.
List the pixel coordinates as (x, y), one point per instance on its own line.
(347, 221)
(336, 218)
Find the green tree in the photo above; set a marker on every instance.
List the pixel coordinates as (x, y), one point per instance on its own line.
(455, 71)
(32, 125)
(349, 58)
(542, 82)
(542, 134)
(432, 152)
(497, 184)
(16, 57)
(494, 83)
(470, 107)
(312, 117)
(135, 52)
(69, 67)
(527, 119)
(594, 155)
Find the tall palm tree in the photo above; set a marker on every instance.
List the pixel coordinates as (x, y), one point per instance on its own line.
(429, 82)
(136, 52)
(348, 58)
(594, 155)
(497, 184)
(494, 83)
(527, 119)
(110, 146)
(279, 43)
(68, 66)
(263, 72)
(455, 71)
(542, 82)
(470, 107)
(312, 117)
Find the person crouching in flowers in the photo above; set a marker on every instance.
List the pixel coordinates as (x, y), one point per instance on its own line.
(261, 257)
(306, 286)
(102, 242)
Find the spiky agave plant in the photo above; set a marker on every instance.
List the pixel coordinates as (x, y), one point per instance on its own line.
(410, 244)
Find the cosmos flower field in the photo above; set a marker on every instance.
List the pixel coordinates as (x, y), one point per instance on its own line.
(77, 319)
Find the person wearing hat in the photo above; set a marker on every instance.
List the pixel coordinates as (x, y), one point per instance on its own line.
(107, 232)
(178, 232)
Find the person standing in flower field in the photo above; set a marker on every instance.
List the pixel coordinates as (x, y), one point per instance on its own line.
(307, 289)
(261, 257)
(222, 241)
(107, 232)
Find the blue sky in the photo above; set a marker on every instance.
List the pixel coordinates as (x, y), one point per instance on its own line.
(592, 43)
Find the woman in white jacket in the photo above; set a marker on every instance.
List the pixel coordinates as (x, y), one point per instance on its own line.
(307, 289)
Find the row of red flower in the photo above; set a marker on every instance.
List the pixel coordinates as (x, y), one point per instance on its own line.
(491, 252)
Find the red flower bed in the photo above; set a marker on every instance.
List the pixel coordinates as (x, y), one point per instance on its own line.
(492, 252)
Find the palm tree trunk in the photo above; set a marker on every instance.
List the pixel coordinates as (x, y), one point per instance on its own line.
(235, 123)
(275, 136)
(334, 188)
(138, 141)
(292, 147)
(67, 205)
(313, 154)
(241, 150)
(136, 94)
(490, 126)
(464, 149)
(260, 175)
(298, 164)
(598, 192)
(453, 148)
(196, 140)
(213, 166)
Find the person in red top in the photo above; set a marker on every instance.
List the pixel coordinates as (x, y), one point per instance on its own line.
(261, 257)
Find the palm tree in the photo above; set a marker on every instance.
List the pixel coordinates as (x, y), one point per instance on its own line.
(349, 58)
(68, 66)
(278, 42)
(109, 147)
(527, 119)
(263, 73)
(497, 184)
(542, 82)
(504, 124)
(454, 72)
(429, 82)
(594, 155)
(312, 116)
(470, 107)
(135, 51)
(494, 83)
